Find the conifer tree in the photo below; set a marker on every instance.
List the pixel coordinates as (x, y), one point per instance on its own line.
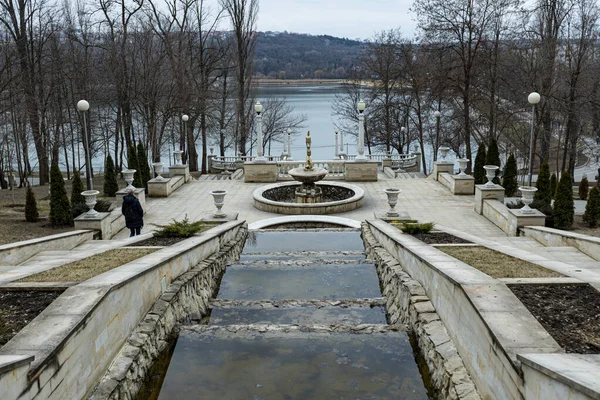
(592, 208)
(479, 172)
(584, 186)
(543, 184)
(509, 180)
(564, 204)
(76, 189)
(493, 158)
(142, 157)
(60, 209)
(132, 163)
(553, 184)
(111, 186)
(31, 210)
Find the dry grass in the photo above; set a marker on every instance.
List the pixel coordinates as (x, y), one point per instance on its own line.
(496, 264)
(87, 268)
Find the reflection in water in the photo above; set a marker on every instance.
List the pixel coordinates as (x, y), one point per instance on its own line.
(340, 366)
(304, 241)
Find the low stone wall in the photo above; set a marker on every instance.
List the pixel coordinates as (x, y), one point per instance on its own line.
(589, 245)
(487, 323)
(457, 184)
(361, 171)
(16, 253)
(84, 329)
(510, 220)
(164, 187)
(187, 295)
(408, 304)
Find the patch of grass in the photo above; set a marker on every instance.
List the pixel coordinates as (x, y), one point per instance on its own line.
(498, 265)
(87, 268)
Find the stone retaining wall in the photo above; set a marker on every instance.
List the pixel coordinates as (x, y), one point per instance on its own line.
(187, 295)
(589, 245)
(407, 303)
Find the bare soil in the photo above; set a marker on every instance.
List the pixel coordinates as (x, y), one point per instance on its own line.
(18, 308)
(581, 227)
(440, 238)
(498, 265)
(87, 268)
(16, 229)
(157, 241)
(570, 313)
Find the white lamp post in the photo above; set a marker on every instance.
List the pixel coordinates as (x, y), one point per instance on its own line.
(341, 152)
(437, 114)
(289, 153)
(82, 107)
(361, 131)
(185, 118)
(533, 99)
(284, 145)
(259, 150)
(336, 143)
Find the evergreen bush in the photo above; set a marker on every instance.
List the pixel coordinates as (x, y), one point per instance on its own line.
(493, 158)
(509, 180)
(553, 184)
(60, 209)
(412, 229)
(142, 157)
(584, 187)
(111, 186)
(543, 184)
(592, 208)
(31, 210)
(183, 228)
(132, 163)
(479, 172)
(564, 205)
(76, 189)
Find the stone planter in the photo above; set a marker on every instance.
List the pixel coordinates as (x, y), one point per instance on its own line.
(219, 199)
(462, 165)
(490, 173)
(128, 174)
(527, 193)
(90, 201)
(158, 166)
(444, 152)
(177, 154)
(392, 197)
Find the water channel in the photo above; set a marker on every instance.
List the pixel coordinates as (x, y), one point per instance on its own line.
(286, 323)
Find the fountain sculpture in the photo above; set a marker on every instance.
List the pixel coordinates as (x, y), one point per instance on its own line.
(308, 192)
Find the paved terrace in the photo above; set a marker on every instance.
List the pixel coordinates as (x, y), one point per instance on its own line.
(424, 199)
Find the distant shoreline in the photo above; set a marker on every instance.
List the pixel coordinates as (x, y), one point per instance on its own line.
(297, 82)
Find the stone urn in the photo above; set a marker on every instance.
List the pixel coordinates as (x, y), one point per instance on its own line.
(219, 199)
(177, 154)
(90, 201)
(444, 152)
(392, 197)
(128, 174)
(158, 166)
(462, 165)
(490, 174)
(527, 193)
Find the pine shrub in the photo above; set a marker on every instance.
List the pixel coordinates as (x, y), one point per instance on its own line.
(553, 184)
(592, 208)
(509, 180)
(111, 186)
(564, 204)
(493, 158)
(182, 229)
(412, 229)
(142, 157)
(76, 189)
(543, 184)
(584, 187)
(31, 210)
(60, 209)
(132, 163)
(479, 172)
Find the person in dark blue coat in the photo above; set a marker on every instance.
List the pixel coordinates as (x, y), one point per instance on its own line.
(133, 212)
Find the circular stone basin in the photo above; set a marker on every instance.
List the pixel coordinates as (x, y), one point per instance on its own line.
(280, 198)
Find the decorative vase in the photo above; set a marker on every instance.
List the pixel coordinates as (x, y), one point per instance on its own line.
(490, 173)
(212, 149)
(527, 193)
(128, 174)
(219, 199)
(392, 197)
(462, 165)
(158, 166)
(177, 154)
(444, 152)
(90, 201)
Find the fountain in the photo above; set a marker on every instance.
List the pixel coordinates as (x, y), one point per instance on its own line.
(308, 197)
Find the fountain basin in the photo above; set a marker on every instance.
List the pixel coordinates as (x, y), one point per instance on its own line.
(280, 198)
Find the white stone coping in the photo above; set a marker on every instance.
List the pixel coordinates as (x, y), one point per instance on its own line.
(265, 223)
(579, 371)
(359, 194)
(589, 245)
(74, 309)
(43, 239)
(8, 363)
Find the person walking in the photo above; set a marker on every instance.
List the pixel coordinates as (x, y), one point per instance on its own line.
(133, 212)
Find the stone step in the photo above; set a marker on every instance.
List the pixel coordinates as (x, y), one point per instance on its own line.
(312, 256)
(298, 265)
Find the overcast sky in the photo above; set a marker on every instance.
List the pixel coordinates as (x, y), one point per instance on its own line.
(343, 18)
